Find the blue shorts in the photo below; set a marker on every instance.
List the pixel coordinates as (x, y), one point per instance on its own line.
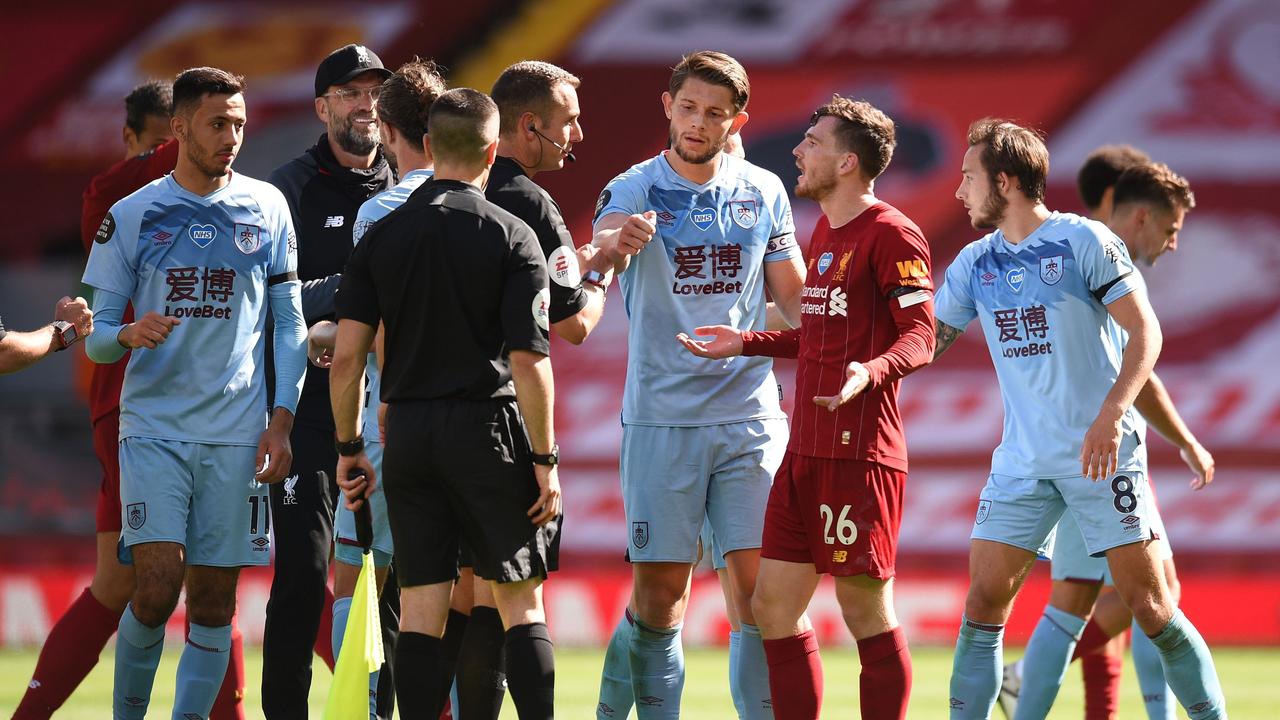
(1023, 512)
(203, 497)
(1072, 561)
(710, 547)
(675, 478)
(346, 550)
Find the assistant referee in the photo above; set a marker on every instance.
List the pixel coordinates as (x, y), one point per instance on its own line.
(461, 288)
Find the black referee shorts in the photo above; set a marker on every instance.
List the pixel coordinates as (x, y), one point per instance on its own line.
(455, 469)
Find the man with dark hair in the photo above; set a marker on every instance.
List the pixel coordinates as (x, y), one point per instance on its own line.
(1054, 291)
(697, 442)
(460, 460)
(74, 644)
(402, 108)
(325, 187)
(207, 250)
(1150, 202)
(1096, 179)
(818, 520)
(538, 126)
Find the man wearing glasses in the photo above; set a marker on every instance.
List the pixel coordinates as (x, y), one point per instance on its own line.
(324, 187)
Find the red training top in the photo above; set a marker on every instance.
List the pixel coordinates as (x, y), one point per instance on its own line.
(868, 298)
(105, 190)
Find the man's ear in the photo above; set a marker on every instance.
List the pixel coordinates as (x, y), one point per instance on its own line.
(739, 121)
(322, 110)
(666, 103)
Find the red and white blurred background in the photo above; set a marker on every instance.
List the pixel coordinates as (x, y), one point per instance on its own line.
(1192, 82)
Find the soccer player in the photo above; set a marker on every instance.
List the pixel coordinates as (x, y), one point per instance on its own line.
(324, 187)
(847, 443)
(460, 459)
(697, 441)
(200, 253)
(402, 109)
(75, 642)
(1047, 287)
(1150, 202)
(72, 321)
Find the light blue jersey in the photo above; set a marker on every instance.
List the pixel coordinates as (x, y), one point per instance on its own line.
(208, 260)
(705, 266)
(1042, 305)
(373, 210)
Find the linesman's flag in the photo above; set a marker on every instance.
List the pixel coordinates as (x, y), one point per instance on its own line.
(362, 651)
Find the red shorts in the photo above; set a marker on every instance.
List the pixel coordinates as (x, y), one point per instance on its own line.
(841, 515)
(106, 445)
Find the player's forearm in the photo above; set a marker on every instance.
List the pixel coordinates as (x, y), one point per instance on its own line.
(290, 346)
(346, 376)
(317, 297)
(535, 394)
(103, 346)
(20, 350)
(912, 350)
(774, 320)
(772, 343)
(577, 327)
(1157, 407)
(1136, 365)
(606, 238)
(943, 337)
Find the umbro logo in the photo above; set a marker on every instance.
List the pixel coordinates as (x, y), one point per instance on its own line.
(261, 542)
(334, 221)
(650, 701)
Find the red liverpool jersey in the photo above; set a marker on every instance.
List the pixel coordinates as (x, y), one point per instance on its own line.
(104, 190)
(867, 298)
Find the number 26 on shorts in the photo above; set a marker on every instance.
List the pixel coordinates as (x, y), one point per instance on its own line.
(846, 530)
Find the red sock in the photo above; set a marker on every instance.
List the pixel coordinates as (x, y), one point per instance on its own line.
(1101, 685)
(69, 653)
(324, 636)
(795, 676)
(1092, 639)
(886, 676)
(229, 705)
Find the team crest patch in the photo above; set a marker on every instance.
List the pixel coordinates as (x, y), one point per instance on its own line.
(824, 262)
(639, 534)
(703, 217)
(541, 302)
(743, 213)
(1051, 269)
(984, 511)
(248, 238)
(563, 268)
(1014, 278)
(202, 235)
(105, 230)
(136, 514)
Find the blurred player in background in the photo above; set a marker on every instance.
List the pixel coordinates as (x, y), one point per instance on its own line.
(697, 442)
(1150, 203)
(74, 644)
(836, 504)
(1047, 287)
(200, 254)
(402, 109)
(325, 187)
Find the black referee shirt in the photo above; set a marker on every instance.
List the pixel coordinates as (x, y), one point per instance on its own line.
(512, 190)
(459, 283)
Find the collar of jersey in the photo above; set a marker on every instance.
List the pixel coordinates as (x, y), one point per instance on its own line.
(177, 189)
(670, 170)
(1030, 239)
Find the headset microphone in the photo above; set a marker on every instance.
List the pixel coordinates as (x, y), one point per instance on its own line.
(568, 155)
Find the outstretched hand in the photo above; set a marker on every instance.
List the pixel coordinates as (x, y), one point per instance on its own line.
(725, 342)
(856, 379)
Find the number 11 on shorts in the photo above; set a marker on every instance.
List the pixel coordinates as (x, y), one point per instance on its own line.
(846, 530)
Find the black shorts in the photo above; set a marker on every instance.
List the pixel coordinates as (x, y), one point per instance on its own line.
(455, 469)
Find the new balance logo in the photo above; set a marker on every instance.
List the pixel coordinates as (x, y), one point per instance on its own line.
(839, 303)
(334, 221)
(34, 684)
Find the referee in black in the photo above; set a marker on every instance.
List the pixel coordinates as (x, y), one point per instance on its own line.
(461, 288)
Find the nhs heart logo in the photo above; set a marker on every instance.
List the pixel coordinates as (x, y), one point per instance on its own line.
(702, 218)
(202, 235)
(824, 262)
(1015, 277)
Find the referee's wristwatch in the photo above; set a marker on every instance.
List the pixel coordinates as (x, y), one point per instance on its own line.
(350, 448)
(597, 278)
(552, 458)
(65, 333)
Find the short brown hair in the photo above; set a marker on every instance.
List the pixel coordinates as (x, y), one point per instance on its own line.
(527, 86)
(1154, 184)
(190, 87)
(862, 130)
(1101, 170)
(462, 124)
(154, 97)
(407, 97)
(1013, 150)
(715, 68)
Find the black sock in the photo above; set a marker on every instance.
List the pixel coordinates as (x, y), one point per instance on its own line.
(419, 692)
(531, 671)
(481, 682)
(455, 629)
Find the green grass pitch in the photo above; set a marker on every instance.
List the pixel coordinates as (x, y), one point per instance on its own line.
(1251, 678)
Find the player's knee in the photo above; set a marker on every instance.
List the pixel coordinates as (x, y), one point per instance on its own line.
(1074, 598)
(660, 605)
(153, 603)
(1175, 588)
(113, 590)
(988, 602)
(211, 612)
